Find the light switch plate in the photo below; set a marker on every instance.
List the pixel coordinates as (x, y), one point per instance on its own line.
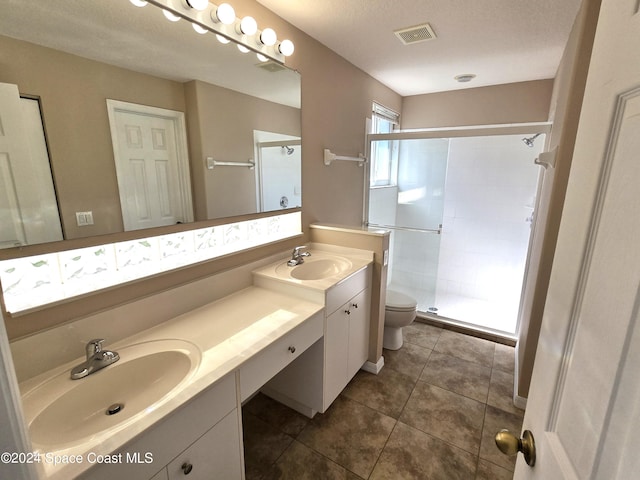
(84, 218)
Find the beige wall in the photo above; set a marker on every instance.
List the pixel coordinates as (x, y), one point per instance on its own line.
(499, 104)
(220, 125)
(336, 99)
(73, 93)
(565, 112)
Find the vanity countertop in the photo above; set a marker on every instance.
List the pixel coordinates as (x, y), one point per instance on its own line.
(227, 332)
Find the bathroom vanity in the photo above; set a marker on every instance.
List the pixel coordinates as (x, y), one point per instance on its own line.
(298, 333)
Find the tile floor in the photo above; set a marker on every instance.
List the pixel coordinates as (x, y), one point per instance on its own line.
(431, 413)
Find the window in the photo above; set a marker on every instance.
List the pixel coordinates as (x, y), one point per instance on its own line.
(384, 153)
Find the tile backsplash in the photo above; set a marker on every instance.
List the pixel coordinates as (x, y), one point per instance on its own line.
(31, 282)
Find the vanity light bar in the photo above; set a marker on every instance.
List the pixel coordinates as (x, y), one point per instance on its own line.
(221, 21)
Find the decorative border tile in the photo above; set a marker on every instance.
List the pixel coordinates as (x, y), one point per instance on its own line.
(31, 282)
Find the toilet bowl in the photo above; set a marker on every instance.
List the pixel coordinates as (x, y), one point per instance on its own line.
(400, 311)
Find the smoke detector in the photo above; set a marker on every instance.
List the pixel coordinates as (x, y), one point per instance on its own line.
(416, 34)
(464, 77)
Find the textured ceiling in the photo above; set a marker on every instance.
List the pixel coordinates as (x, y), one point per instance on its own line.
(501, 41)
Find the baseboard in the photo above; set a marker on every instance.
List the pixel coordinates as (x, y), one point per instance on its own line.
(520, 402)
(373, 367)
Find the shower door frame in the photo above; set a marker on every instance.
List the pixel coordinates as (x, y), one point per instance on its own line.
(457, 132)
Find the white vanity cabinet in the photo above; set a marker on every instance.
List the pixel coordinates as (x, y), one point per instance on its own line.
(203, 436)
(311, 383)
(346, 333)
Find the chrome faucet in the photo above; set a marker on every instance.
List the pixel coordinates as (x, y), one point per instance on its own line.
(297, 257)
(97, 359)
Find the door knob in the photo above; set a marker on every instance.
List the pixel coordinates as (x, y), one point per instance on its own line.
(509, 444)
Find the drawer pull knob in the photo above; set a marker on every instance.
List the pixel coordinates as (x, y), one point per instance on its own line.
(348, 312)
(186, 468)
(292, 349)
(354, 305)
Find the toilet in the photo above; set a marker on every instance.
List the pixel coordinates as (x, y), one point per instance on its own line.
(400, 311)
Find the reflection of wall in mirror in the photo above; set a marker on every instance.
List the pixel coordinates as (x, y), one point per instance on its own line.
(73, 93)
(221, 125)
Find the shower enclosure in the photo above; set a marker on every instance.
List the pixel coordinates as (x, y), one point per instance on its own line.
(460, 207)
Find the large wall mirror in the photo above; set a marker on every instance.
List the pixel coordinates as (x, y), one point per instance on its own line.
(119, 89)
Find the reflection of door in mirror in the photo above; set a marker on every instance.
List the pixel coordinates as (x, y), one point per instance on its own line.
(28, 207)
(279, 171)
(152, 165)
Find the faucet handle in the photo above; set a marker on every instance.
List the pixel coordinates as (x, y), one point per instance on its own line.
(94, 346)
(296, 250)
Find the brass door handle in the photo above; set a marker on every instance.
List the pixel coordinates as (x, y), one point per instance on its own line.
(509, 444)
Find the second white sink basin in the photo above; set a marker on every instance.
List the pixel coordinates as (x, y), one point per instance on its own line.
(315, 268)
(62, 411)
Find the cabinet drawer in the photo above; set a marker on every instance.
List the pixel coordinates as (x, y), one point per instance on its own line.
(262, 367)
(343, 291)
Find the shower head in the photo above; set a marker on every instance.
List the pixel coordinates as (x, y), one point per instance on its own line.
(529, 141)
(289, 149)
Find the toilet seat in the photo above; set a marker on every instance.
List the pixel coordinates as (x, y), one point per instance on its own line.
(399, 302)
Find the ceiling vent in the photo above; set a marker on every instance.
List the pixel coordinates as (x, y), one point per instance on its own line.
(271, 66)
(417, 34)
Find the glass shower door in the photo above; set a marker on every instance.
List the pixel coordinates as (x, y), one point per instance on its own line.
(411, 206)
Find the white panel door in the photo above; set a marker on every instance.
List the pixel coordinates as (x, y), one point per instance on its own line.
(584, 404)
(151, 165)
(28, 206)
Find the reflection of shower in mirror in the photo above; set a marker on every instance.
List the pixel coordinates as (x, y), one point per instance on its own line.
(529, 141)
(278, 170)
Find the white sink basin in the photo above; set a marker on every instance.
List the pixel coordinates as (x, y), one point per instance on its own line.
(315, 268)
(62, 411)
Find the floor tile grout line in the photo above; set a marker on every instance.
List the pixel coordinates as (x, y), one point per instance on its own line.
(414, 384)
(382, 449)
(435, 437)
(479, 452)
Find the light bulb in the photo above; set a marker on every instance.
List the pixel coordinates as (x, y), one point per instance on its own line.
(243, 49)
(197, 4)
(261, 57)
(224, 14)
(199, 29)
(268, 37)
(286, 48)
(248, 26)
(170, 16)
(138, 3)
(222, 39)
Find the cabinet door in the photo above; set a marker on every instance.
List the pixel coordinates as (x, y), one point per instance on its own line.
(215, 455)
(336, 341)
(161, 475)
(358, 331)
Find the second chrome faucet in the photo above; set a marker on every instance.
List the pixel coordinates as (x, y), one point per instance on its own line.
(297, 256)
